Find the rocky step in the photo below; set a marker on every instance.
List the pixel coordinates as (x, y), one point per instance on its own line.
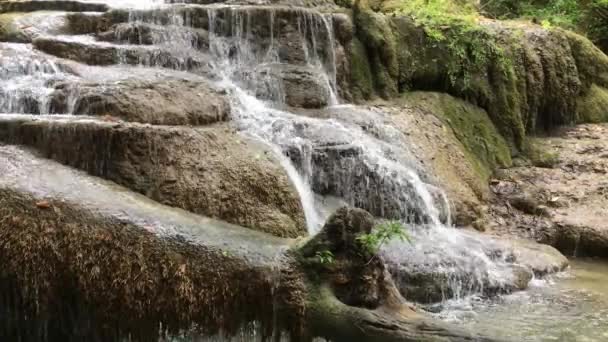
(22, 27)
(444, 263)
(92, 53)
(130, 266)
(298, 33)
(158, 102)
(211, 171)
(138, 33)
(301, 86)
(41, 5)
(173, 267)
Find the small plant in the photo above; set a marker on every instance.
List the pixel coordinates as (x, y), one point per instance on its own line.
(381, 234)
(325, 257)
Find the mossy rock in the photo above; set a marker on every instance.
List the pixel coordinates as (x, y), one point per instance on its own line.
(527, 78)
(9, 32)
(485, 148)
(361, 80)
(539, 156)
(593, 108)
(374, 31)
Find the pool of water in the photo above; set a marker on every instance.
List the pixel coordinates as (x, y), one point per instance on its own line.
(572, 306)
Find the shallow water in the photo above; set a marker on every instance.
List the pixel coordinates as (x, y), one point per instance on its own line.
(572, 306)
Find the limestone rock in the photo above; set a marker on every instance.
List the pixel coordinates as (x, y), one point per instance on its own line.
(159, 102)
(68, 6)
(93, 53)
(210, 171)
(299, 86)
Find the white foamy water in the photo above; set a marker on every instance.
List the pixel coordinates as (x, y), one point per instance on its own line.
(26, 79)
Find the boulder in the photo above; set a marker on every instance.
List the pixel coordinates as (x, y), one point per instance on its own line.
(159, 102)
(131, 268)
(293, 85)
(444, 263)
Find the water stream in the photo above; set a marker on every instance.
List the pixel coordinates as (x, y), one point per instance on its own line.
(572, 306)
(337, 154)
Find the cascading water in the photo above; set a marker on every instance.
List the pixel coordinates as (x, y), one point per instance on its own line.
(258, 54)
(339, 157)
(333, 157)
(25, 79)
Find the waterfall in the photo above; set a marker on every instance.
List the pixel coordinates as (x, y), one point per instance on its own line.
(270, 60)
(24, 80)
(367, 170)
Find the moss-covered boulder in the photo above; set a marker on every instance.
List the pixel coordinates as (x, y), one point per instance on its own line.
(527, 78)
(485, 148)
(593, 107)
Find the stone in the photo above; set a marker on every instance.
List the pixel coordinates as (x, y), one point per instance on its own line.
(68, 6)
(103, 54)
(460, 262)
(211, 171)
(159, 102)
(299, 86)
(148, 34)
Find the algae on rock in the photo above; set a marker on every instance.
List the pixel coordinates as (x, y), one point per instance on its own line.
(485, 148)
(593, 108)
(527, 78)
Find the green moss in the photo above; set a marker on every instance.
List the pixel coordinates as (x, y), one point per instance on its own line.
(375, 33)
(539, 156)
(361, 80)
(591, 62)
(527, 78)
(485, 148)
(593, 108)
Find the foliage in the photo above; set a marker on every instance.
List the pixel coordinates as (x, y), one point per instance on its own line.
(381, 234)
(455, 24)
(595, 23)
(569, 14)
(325, 257)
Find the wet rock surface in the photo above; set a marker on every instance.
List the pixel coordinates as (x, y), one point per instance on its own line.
(159, 102)
(448, 263)
(300, 86)
(148, 34)
(69, 6)
(103, 54)
(127, 263)
(210, 171)
(564, 205)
